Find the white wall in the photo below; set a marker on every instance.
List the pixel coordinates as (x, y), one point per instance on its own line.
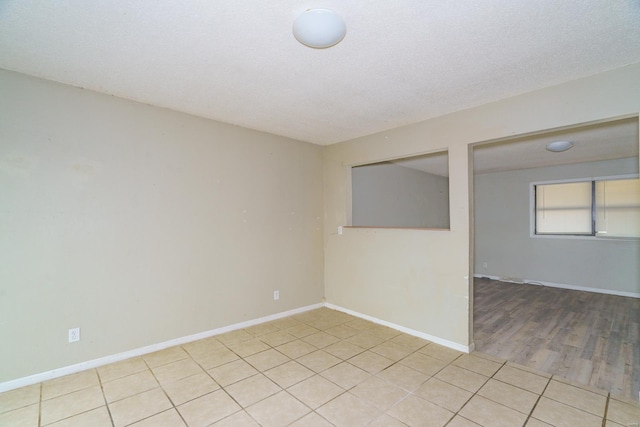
(502, 234)
(141, 225)
(385, 194)
(419, 279)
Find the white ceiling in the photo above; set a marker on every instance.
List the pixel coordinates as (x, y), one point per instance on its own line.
(401, 61)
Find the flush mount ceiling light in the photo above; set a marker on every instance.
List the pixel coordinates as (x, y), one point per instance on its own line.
(559, 146)
(319, 28)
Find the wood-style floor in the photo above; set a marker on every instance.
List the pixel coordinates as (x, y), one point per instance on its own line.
(585, 337)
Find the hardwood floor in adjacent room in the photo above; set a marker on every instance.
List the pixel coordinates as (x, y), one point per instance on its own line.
(585, 337)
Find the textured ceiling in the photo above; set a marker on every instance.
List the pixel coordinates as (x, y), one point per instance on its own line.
(237, 61)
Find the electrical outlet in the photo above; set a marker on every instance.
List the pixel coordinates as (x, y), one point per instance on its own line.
(276, 295)
(74, 335)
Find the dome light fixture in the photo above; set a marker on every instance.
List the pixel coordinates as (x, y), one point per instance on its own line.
(559, 146)
(319, 28)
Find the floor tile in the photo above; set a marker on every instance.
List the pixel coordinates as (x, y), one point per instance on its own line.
(365, 340)
(19, 398)
(239, 419)
(216, 357)
(382, 394)
(295, 349)
(403, 376)
(278, 410)
(252, 389)
(169, 418)
(391, 351)
(138, 407)
(370, 362)
(275, 339)
(409, 341)
(266, 359)
(208, 409)
(477, 364)
(345, 375)
(312, 420)
(129, 385)
(348, 410)
(232, 372)
(343, 350)
(490, 414)
(165, 356)
(190, 388)
(248, 347)
(320, 339)
(622, 412)
(441, 352)
(421, 362)
(301, 331)
(415, 411)
(459, 421)
(443, 394)
(521, 378)
(26, 416)
(532, 422)
(385, 420)
(262, 329)
(315, 391)
(462, 378)
(71, 404)
(177, 370)
(383, 332)
(576, 397)
(561, 415)
(318, 361)
(121, 369)
(511, 396)
(69, 383)
(98, 417)
(234, 337)
(288, 374)
(342, 331)
(202, 346)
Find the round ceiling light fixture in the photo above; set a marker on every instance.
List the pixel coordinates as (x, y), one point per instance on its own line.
(319, 28)
(559, 146)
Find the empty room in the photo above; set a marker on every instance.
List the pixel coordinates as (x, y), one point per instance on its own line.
(182, 238)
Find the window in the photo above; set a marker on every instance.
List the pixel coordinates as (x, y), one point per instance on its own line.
(601, 208)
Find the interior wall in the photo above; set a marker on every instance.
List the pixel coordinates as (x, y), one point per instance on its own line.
(419, 279)
(503, 241)
(385, 194)
(141, 225)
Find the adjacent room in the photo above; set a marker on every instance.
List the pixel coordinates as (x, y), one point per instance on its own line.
(555, 274)
(187, 236)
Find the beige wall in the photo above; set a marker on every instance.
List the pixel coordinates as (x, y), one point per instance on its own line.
(419, 279)
(142, 225)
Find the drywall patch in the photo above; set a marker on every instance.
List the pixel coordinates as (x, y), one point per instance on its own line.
(83, 172)
(18, 165)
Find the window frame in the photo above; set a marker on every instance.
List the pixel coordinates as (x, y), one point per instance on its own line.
(594, 235)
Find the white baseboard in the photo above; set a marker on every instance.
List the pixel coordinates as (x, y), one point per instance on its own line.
(560, 285)
(55, 373)
(446, 343)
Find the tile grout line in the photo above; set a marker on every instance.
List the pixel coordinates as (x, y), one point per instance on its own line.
(538, 400)
(104, 397)
(606, 410)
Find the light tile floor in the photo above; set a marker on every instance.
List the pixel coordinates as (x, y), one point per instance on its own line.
(318, 368)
